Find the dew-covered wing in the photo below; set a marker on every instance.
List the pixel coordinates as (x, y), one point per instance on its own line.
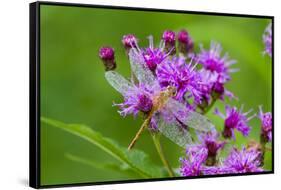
(172, 129)
(139, 68)
(188, 117)
(118, 82)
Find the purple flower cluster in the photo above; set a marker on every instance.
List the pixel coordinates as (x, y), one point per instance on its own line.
(170, 69)
(201, 159)
(243, 161)
(267, 40)
(197, 86)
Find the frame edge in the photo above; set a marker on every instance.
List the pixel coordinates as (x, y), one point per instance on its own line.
(34, 140)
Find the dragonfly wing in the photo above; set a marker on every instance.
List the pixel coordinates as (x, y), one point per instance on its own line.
(188, 117)
(118, 82)
(172, 130)
(139, 68)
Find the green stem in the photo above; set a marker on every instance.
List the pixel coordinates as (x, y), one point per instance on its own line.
(159, 149)
(209, 106)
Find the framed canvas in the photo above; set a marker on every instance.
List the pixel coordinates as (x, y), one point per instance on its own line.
(121, 95)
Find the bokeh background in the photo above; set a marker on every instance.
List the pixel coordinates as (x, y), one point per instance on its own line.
(74, 90)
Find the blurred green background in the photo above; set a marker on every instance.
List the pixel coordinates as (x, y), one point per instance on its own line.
(74, 90)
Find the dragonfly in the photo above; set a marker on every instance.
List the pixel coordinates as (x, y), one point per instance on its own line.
(164, 105)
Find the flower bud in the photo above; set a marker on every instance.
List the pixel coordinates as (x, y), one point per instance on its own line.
(169, 38)
(218, 90)
(129, 41)
(185, 42)
(107, 56)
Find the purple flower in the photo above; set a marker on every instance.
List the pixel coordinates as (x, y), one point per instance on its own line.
(212, 61)
(206, 85)
(211, 89)
(243, 161)
(210, 141)
(235, 119)
(266, 125)
(107, 56)
(185, 42)
(214, 74)
(193, 164)
(267, 40)
(175, 72)
(153, 57)
(137, 99)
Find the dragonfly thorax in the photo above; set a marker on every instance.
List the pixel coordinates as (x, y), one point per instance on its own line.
(160, 100)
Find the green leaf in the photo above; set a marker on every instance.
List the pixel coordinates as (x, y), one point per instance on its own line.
(123, 168)
(137, 160)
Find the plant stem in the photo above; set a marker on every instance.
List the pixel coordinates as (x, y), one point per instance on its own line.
(209, 107)
(159, 149)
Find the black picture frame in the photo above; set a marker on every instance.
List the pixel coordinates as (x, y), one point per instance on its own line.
(34, 93)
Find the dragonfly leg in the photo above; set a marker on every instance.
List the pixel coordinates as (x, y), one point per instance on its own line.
(143, 126)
